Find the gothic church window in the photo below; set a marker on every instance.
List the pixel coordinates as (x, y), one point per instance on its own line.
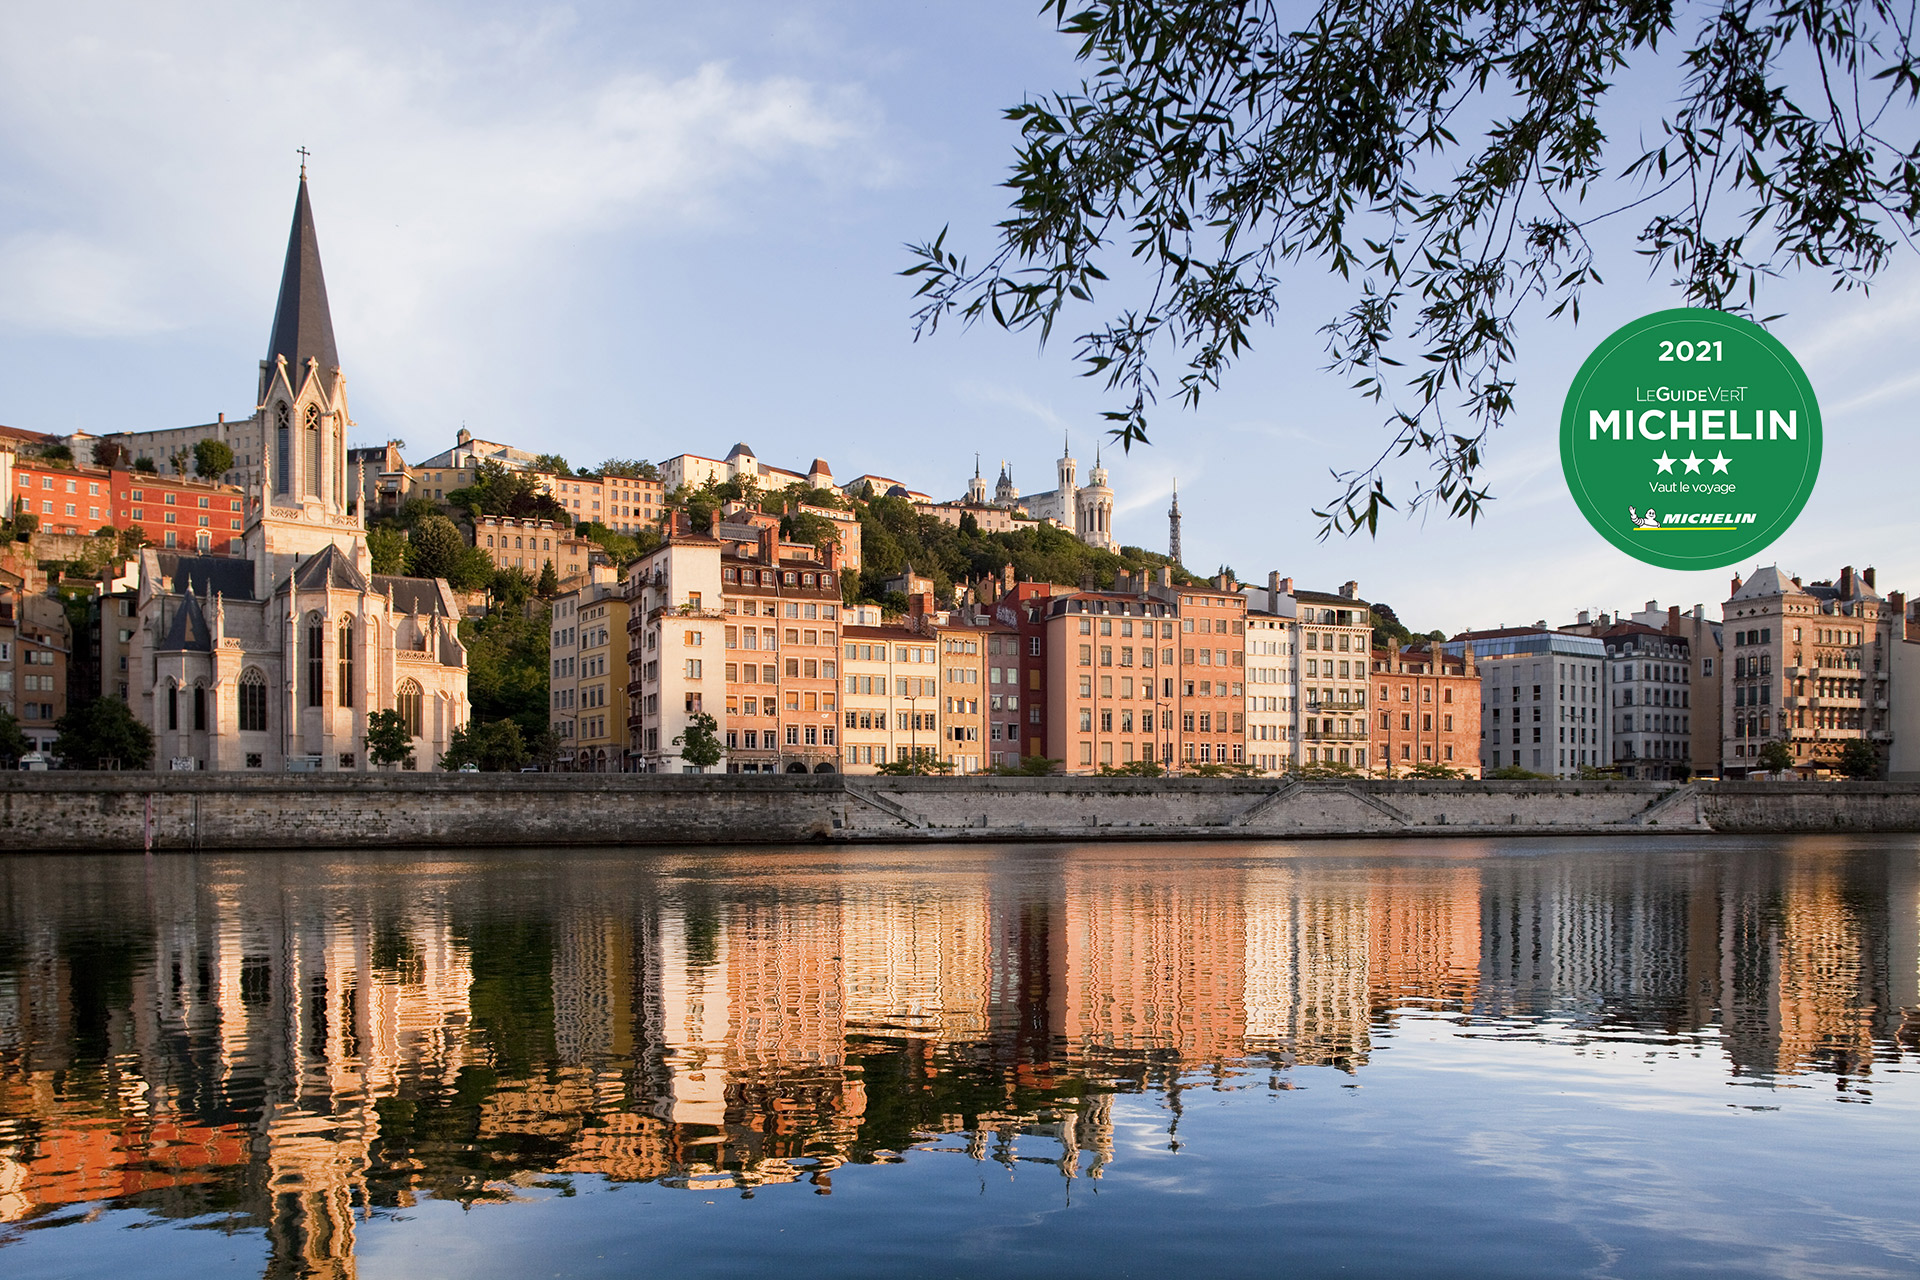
(253, 701)
(346, 662)
(283, 453)
(313, 450)
(316, 665)
(200, 708)
(410, 703)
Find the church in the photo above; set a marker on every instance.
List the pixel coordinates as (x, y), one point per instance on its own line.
(1086, 510)
(273, 658)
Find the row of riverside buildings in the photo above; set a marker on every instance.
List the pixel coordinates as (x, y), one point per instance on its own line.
(251, 633)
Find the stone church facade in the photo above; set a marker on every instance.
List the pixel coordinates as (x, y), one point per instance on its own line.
(272, 659)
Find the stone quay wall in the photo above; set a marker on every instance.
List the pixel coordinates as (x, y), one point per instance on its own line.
(61, 811)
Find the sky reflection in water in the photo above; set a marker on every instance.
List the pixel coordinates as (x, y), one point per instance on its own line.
(1656, 1057)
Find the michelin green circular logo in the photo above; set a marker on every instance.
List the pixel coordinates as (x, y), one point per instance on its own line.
(1691, 439)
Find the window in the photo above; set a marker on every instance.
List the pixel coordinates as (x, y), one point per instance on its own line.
(253, 701)
(346, 662)
(316, 670)
(410, 703)
(173, 705)
(200, 708)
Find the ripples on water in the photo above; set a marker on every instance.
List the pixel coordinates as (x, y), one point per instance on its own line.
(1559, 1057)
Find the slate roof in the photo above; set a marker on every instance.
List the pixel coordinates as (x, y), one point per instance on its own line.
(206, 575)
(189, 629)
(411, 595)
(302, 324)
(329, 569)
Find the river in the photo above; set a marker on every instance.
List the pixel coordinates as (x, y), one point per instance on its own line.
(1618, 1057)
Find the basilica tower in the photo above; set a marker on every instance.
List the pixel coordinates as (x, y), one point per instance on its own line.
(1093, 507)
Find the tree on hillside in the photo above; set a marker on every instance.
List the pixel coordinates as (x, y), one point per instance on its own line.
(496, 491)
(389, 550)
(552, 464)
(212, 459)
(109, 453)
(103, 731)
(1450, 162)
(631, 468)
(549, 582)
(1775, 756)
(435, 549)
(145, 466)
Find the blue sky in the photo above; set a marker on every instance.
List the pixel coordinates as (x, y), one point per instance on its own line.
(640, 230)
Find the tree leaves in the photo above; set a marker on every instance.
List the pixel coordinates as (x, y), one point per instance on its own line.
(1448, 158)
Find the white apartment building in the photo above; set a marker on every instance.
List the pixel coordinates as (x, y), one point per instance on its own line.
(1542, 698)
(1333, 663)
(676, 649)
(1273, 637)
(891, 693)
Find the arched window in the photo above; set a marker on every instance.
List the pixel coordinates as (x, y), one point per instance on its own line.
(283, 452)
(346, 662)
(253, 701)
(173, 705)
(312, 478)
(316, 668)
(410, 703)
(200, 708)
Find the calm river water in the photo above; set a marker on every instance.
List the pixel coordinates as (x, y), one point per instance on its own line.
(1666, 1056)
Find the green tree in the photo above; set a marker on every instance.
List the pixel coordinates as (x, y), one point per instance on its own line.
(552, 464)
(918, 766)
(103, 730)
(13, 743)
(25, 525)
(1451, 161)
(145, 466)
(491, 748)
(700, 744)
(1775, 756)
(1133, 769)
(109, 453)
(496, 491)
(388, 547)
(212, 459)
(388, 741)
(631, 468)
(507, 665)
(435, 548)
(1514, 773)
(1858, 759)
(549, 582)
(1429, 769)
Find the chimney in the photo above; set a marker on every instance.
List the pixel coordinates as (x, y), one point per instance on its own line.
(1286, 585)
(1866, 576)
(1166, 576)
(1585, 617)
(1351, 591)
(1846, 582)
(1273, 592)
(1673, 619)
(1736, 585)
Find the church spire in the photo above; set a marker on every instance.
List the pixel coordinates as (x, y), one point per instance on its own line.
(302, 323)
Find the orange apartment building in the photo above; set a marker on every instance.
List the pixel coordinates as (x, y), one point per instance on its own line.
(1426, 710)
(972, 646)
(172, 511)
(783, 606)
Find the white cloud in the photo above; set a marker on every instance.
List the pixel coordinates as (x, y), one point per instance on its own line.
(59, 282)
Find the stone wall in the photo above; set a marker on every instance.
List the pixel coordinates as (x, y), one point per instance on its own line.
(126, 811)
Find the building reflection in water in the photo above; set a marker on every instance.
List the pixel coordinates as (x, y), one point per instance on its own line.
(295, 1045)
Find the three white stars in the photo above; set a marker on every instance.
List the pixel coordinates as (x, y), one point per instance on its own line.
(1692, 462)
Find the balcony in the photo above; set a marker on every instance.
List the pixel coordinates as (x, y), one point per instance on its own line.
(683, 611)
(1315, 735)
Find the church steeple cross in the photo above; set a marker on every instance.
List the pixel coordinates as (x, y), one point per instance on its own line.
(304, 153)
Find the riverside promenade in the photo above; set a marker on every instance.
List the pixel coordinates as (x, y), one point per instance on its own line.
(131, 812)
